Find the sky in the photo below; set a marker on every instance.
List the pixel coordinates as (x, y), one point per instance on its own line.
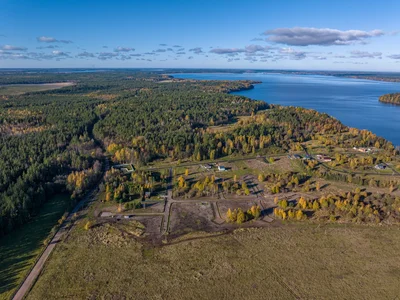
(254, 34)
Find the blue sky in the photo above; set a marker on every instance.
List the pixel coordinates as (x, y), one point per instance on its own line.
(263, 34)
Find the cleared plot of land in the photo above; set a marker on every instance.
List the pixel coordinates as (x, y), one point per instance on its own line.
(19, 249)
(284, 262)
(188, 217)
(18, 89)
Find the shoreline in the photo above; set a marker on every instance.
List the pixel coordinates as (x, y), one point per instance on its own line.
(254, 82)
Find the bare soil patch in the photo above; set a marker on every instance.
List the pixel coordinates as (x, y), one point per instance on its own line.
(188, 217)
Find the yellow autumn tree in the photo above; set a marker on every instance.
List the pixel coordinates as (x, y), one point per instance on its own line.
(299, 215)
(261, 177)
(88, 225)
(283, 203)
(231, 215)
(181, 181)
(108, 196)
(255, 211)
(315, 205)
(303, 203)
(240, 216)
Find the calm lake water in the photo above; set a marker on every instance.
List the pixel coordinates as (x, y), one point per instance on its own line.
(352, 101)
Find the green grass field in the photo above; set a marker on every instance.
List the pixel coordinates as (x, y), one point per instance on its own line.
(19, 249)
(299, 261)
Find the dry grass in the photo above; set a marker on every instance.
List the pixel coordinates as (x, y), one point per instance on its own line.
(287, 262)
(18, 89)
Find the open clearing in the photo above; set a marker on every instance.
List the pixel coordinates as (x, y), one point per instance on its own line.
(19, 250)
(277, 262)
(18, 89)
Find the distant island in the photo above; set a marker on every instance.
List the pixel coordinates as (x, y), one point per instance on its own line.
(390, 98)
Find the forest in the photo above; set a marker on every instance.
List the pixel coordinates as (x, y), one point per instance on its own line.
(54, 141)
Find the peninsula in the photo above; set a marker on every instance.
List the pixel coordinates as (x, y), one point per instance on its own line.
(390, 98)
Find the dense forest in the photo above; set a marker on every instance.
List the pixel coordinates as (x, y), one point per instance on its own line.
(56, 140)
(390, 98)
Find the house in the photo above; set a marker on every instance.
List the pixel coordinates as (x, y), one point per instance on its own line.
(362, 149)
(380, 167)
(324, 158)
(147, 195)
(124, 168)
(106, 214)
(221, 168)
(206, 166)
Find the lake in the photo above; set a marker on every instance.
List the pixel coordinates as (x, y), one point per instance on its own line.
(352, 101)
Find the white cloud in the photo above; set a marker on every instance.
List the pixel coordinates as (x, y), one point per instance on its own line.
(13, 48)
(85, 55)
(292, 54)
(123, 49)
(197, 50)
(48, 39)
(304, 36)
(365, 54)
(394, 56)
(249, 50)
(107, 55)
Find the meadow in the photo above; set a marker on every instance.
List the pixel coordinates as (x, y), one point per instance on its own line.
(282, 261)
(18, 89)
